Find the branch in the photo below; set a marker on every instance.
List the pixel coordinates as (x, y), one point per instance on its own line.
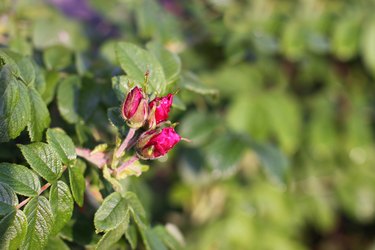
(42, 189)
(125, 143)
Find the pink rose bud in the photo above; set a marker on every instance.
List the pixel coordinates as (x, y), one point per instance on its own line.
(135, 108)
(159, 110)
(156, 143)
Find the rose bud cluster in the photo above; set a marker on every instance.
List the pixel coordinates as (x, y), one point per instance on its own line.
(139, 113)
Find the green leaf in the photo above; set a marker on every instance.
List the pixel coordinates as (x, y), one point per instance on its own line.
(67, 98)
(77, 181)
(121, 86)
(367, 47)
(14, 105)
(191, 82)
(62, 144)
(21, 179)
(166, 237)
(57, 57)
(153, 241)
(39, 119)
(131, 236)
(13, 229)
(40, 221)
(115, 118)
(273, 160)
(56, 243)
(8, 199)
(9, 58)
(114, 235)
(52, 79)
(27, 70)
(137, 210)
(136, 61)
(111, 213)
(224, 152)
(169, 61)
(61, 204)
(43, 159)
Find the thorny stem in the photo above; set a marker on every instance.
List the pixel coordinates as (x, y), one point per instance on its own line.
(126, 164)
(42, 189)
(125, 143)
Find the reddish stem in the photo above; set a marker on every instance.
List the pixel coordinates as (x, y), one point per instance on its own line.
(42, 189)
(125, 143)
(126, 164)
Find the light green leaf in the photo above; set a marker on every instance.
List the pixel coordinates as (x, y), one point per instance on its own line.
(136, 61)
(367, 47)
(121, 86)
(62, 144)
(40, 118)
(111, 213)
(40, 221)
(9, 58)
(114, 235)
(21, 179)
(13, 229)
(169, 61)
(61, 204)
(191, 82)
(27, 70)
(131, 236)
(67, 98)
(8, 199)
(77, 181)
(57, 57)
(56, 243)
(43, 159)
(14, 105)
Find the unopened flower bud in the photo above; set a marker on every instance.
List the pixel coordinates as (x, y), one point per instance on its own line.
(159, 110)
(135, 108)
(156, 143)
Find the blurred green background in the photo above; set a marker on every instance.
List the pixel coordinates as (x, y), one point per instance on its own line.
(280, 110)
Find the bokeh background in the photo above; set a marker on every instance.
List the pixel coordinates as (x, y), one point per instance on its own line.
(277, 98)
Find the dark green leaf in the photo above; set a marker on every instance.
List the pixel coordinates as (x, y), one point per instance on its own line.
(62, 144)
(77, 181)
(21, 179)
(40, 221)
(113, 236)
(39, 119)
(111, 213)
(14, 105)
(13, 229)
(136, 61)
(61, 204)
(368, 49)
(8, 199)
(67, 98)
(52, 79)
(43, 159)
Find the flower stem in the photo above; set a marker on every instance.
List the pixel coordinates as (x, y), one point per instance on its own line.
(42, 189)
(126, 164)
(125, 143)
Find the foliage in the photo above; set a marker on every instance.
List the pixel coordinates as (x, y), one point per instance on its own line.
(275, 98)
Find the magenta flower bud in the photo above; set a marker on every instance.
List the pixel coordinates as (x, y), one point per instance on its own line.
(159, 110)
(135, 108)
(156, 143)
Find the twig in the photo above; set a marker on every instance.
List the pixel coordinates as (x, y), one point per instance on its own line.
(126, 164)
(125, 143)
(99, 158)
(42, 189)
